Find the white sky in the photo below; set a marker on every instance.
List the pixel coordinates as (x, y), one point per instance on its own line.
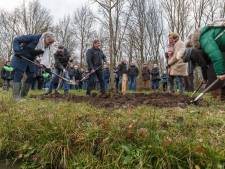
(58, 8)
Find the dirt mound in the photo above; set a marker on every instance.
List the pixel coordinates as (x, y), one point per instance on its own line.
(129, 100)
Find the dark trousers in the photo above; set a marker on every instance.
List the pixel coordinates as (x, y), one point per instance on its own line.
(164, 85)
(6, 84)
(19, 75)
(189, 83)
(91, 82)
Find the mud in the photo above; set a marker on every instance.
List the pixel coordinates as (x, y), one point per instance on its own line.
(112, 101)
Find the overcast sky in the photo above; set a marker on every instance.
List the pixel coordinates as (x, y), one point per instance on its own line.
(58, 8)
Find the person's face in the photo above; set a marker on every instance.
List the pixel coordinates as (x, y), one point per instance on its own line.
(48, 41)
(97, 45)
(171, 40)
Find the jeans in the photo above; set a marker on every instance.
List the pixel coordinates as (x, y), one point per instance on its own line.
(106, 84)
(179, 81)
(132, 83)
(155, 84)
(55, 79)
(19, 75)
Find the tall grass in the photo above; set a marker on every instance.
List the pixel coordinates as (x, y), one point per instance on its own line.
(62, 135)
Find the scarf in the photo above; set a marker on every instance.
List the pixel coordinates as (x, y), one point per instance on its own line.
(45, 59)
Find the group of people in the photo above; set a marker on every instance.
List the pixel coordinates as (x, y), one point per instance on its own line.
(31, 57)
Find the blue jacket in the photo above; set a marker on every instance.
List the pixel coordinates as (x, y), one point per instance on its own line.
(18, 43)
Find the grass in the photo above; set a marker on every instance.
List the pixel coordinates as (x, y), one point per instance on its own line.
(64, 135)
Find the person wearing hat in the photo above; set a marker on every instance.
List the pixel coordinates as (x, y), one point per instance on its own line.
(29, 47)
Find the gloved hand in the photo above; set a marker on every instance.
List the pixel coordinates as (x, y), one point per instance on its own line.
(92, 70)
(168, 66)
(221, 77)
(37, 52)
(64, 70)
(48, 70)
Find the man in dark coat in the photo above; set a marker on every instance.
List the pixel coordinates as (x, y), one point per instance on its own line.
(62, 57)
(95, 59)
(132, 76)
(29, 47)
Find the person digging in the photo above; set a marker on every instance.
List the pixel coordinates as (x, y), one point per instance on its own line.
(26, 48)
(209, 49)
(95, 58)
(62, 57)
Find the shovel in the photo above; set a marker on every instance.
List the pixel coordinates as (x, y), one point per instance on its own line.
(61, 77)
(199, 87)
(202, 94)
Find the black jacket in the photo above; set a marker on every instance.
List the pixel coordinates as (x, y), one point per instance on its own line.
(155, 73)
(95, 58)
(122, 69)
(61, 59)
(133, 71)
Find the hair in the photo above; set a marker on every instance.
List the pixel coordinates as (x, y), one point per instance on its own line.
(195, 39)
(95, 41)
(174, 35)
(50, 35)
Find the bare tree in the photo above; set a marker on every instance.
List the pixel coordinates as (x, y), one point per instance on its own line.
(82, 27)
(177, 14)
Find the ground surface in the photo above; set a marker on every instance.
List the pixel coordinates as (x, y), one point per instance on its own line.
(112, 101)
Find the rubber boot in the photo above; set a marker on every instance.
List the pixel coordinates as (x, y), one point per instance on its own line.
(25, 89)
(16, 90)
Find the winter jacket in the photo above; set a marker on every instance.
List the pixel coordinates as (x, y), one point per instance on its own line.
(164, 78)
(122, 69)
(95, 58)
(61, 59)
(133, 71)
(196, 57)
(155, 74)
(145, 73)
(214, 48)
(7, 72)
(77, 74)
(25, 46)
(106, 73)
(177, 67)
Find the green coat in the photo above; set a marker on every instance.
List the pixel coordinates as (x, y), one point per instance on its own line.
(214, 48)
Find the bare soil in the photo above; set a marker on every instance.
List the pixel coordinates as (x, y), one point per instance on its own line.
(112, 101)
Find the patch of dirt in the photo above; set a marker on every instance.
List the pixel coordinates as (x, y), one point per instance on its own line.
(112, 101)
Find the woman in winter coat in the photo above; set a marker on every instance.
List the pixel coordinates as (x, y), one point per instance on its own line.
(177, 69)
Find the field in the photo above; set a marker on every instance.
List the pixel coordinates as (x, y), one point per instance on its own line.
(143, 131)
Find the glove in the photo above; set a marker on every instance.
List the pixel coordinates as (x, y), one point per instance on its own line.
(37, 52)
(48, 70)
(64, 70)
(168, 66)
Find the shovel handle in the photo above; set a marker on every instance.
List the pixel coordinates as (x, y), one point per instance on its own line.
(206, 90)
